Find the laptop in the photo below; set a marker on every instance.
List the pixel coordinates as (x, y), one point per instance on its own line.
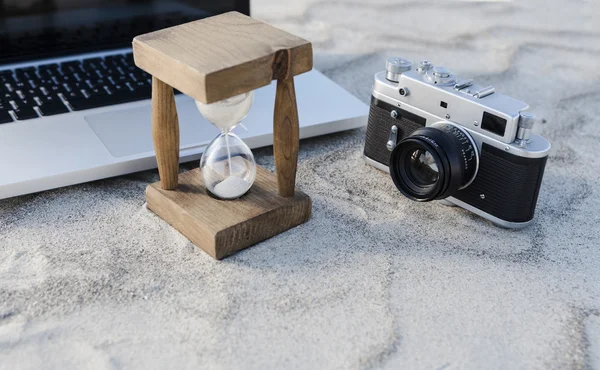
(74, 108)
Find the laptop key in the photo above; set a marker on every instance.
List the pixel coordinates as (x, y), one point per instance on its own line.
(24, 74)
(76, 86)
(93, 62)
(25, 103)
(49, 99)
(98, 82)
(56, 89)
(5, 117)
(8, 96)
(112, 63)
(34, 81)
(25, 113)
(73, 94)
(110, 72)
(70, 67)
(91, 102)
(7, 79)
(18, 85)
(119, 79)
(48, 73)
(27, 94)
(50, 109)
(46, 82)
(96, 91)
(89, 75)
(140, 76)
(142, 88)
(67, 72)
(130, 69)
(118, 88)
(66, 79)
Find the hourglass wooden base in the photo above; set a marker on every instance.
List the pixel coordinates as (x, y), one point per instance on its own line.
(221, 227)
(210, 60)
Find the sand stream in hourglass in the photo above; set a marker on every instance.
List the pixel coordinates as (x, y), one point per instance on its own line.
(227, 166)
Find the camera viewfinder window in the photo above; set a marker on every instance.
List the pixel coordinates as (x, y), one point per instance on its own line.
(493, 124)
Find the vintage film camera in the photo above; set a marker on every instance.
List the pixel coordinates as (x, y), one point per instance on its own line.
(444, 138)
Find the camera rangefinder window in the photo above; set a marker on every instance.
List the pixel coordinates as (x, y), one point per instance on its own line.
(493, 124)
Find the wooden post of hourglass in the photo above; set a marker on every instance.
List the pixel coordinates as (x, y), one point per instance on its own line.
(210, 60)
(165, 133)
(286, 127)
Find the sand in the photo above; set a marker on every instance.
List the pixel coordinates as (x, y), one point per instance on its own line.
(89, 278)
(231, 187)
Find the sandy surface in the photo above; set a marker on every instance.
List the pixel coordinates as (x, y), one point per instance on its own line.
(90, 279)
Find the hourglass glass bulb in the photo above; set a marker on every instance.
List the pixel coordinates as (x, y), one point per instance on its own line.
(227, 166)
(227, 113)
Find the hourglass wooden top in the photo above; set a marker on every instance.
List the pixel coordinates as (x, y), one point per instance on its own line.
(219, 57)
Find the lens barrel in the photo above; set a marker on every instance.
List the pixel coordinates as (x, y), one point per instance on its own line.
(434, 162)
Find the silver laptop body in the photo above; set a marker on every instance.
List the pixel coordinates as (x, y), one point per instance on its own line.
(83, 116)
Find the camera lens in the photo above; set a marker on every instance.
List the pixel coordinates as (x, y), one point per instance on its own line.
(434, 162)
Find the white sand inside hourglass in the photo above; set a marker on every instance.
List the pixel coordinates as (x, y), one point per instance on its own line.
(231, 187)
(226, 114)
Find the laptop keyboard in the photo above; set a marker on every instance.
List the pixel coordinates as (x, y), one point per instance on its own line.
(51, 89)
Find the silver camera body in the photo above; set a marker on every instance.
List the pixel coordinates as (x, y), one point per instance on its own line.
(488, 131)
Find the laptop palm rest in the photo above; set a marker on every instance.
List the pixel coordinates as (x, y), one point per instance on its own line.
(128, 132)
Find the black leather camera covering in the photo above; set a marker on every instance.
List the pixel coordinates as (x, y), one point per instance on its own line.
(510, 185)
(379, 126)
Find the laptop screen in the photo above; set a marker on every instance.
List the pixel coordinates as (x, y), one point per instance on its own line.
(37, 29)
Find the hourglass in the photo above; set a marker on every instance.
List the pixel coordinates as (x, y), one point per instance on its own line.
(229, 203)
(227, 166)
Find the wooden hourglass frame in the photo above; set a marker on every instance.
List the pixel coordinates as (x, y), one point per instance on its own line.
(210, 60)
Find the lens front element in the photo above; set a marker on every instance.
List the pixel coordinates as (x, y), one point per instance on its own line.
(434, 162)
(422, 168)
